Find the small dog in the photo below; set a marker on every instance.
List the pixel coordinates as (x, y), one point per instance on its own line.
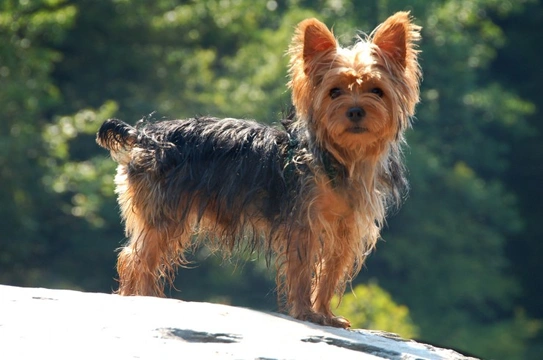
(313, 193)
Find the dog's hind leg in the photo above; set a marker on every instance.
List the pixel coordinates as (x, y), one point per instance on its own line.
(139, 263)
(150, 259)
(156, 242)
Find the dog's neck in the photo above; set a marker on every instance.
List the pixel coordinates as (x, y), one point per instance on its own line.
(334, 170)
(342, 170)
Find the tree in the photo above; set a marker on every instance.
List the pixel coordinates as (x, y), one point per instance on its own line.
(524, 29)
(28, 32)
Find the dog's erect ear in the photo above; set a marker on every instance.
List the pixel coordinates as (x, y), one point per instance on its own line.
(317, 41)
(396, 38)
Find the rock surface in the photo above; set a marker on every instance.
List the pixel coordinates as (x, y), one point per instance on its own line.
(63, 324)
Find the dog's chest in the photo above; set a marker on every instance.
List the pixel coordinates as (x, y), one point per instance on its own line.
(333, 205)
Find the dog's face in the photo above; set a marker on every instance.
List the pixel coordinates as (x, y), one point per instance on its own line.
(356, 99)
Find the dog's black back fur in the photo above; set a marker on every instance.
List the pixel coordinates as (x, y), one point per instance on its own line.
(240, 171)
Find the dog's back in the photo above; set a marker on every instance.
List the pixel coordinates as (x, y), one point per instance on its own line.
(227, 172)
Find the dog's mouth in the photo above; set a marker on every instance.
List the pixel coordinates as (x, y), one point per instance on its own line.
(357, 130)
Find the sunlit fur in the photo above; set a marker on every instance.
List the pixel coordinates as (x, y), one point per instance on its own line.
(311, 195)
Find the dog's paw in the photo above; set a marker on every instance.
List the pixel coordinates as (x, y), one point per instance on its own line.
(339, 322)
(321, 319)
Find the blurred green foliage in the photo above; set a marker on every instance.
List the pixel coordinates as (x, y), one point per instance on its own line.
(462, 254)
(368, 306)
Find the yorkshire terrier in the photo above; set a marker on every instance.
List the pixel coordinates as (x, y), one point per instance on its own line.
(313, 192)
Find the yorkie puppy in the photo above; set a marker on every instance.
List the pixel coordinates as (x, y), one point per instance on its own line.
(313, 194)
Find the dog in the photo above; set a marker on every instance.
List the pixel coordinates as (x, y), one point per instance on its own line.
(312, 193)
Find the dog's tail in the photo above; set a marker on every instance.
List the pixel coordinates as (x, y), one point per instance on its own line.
(119, 138)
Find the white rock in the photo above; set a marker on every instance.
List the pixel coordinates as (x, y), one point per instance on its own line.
(63, 324)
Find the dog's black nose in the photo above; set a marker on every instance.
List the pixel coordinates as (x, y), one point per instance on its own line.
(355, 114)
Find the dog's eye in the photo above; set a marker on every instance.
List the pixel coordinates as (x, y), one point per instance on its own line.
(335, 92)
(377, 91)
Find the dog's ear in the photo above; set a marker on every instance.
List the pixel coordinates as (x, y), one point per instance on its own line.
(311, 51)
(316, 41)
(396, 38)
